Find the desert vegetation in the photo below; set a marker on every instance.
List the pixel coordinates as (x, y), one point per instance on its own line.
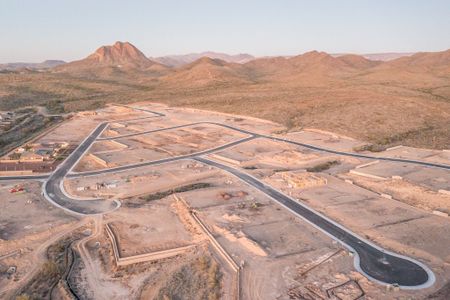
(323, 166)
(24, 129)
(404, 101)
(51, 272)
(197, 280)
(181, 189)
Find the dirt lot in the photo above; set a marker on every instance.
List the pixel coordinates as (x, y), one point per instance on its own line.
(27, 213)
(431, 179)
(81, 124)
(266, 239)
(147, 229)
(140, 181)
(27, 224)
(280, 255)
(158, 145)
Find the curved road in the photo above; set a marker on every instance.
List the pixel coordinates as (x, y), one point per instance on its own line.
(54, 191)
(52, 186)
(375, 262)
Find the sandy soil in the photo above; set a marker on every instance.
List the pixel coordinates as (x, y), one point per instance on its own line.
(282, 257)
(147, 230)
(28, 224)
(27, 213)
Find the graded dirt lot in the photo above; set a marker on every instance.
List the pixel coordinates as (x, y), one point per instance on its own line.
(147, 229)
(28, 224)
(185, 227)
(27, 213)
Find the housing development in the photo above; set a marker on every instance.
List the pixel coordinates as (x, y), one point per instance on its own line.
(148, 201)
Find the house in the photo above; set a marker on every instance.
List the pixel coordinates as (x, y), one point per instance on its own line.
(44, 152)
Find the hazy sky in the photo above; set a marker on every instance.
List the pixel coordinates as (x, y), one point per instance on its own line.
(64, 29)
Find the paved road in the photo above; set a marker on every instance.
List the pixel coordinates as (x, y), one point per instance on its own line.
(308, 146)
(52, 186)
(180, 126)
(160, 161)
(25, 177)
(142, 109)
(146, 132)
(375, 262)
(255, 135)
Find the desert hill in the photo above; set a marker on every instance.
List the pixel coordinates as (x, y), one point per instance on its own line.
(386, 56)
(181, 60)
(424, 61)
(121, 53)
(207, 71)
(425, 70)
(311, 68)
(32, 66)
(120, 59)
(358, 62)
(401, 101)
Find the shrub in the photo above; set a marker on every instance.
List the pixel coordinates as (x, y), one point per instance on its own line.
(323, 166)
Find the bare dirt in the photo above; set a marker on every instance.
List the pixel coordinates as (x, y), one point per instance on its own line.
(280, 255)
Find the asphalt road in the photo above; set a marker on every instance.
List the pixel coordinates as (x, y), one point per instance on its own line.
(52, 186)
(146, 132)
(308, 146)
(142, 109)
(160, 161)
(254, 135)
(375, 262)
(25, 177)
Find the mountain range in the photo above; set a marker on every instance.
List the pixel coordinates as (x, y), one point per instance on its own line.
(180, 60)
(382, 100)
(122, 59)
(32, 66)
(121, 53)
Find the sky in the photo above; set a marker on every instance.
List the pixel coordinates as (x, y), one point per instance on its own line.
(33, 31)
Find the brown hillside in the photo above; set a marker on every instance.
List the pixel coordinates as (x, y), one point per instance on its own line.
(207, 71)
(425, 70)
(312, 68)
(357, 61)
(119, 60)
(403, 101)
(423, 60)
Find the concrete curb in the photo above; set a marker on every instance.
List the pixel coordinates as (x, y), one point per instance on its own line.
(394, 148)
(367, 164)
(367, 175)
(431, 277)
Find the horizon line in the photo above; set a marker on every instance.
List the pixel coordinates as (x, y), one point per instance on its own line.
(233, 54)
